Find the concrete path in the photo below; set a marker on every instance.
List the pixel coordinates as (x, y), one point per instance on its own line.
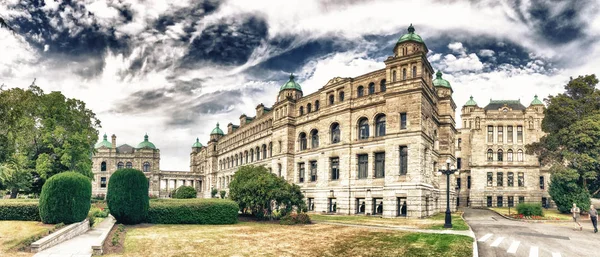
(79, 246)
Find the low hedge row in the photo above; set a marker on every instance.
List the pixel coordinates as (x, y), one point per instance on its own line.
(19, 210)
(530, 209)
(193, 211)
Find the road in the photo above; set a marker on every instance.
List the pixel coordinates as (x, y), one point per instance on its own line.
(499, 237)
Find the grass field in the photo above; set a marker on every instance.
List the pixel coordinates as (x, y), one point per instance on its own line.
(12, 233)
(268, 239)
(549, 213)
(433, 222)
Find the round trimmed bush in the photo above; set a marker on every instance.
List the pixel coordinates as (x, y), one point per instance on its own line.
(65, 198)
(127, 196)
(185, 192)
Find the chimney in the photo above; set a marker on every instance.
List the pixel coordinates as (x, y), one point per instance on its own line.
(114, 141)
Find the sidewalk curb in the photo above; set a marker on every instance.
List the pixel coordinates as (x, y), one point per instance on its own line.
(475, 249)
(529, 221)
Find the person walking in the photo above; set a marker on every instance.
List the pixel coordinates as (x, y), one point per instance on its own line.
(575, 210)
(594, 217)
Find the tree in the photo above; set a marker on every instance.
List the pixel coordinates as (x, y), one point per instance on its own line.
(15, 174)
(565, 191)
(257, 190)
(571, 146)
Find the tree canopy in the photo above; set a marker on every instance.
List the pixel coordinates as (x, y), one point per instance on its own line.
(54, 133)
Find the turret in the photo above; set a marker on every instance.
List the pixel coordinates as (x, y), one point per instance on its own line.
(216, 133)
(290, 89)
(410, 43)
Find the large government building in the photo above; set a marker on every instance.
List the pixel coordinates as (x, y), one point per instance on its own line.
(370, 145)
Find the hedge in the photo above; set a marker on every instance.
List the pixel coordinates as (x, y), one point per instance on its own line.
(65, 198)
(127, 196)
(530, 209)
(185, 192)
(193, 211)
(19, 210)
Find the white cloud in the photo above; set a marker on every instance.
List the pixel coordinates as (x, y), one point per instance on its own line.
(486, 52)
(457, 47)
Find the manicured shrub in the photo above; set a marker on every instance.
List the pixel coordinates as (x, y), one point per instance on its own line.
(193, 211)
(222, 193)
(214, 192)
(295, 218)
(530, 209)
(185, 192)
(19, 210)
(65, 198)
(127, 196)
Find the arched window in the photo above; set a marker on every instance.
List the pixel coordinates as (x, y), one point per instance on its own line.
(509, 155)
(393, 76)
(227, 163)
(490, 155)
(382, 85)
(335, 133)
(128, 165)
(371, 88)
(264, 154)
(331, 99)
(317, 105)
(341, 97)
(279, 169)
(301, 110)
(120, 165)
(302, 141)
(146, 167)
(103, 166)
(404, 73)
(308, 108)
(500, 155)
(380, 125)
(236, 160)
(363, 128)
(520, 155)
(257, 153)
(251, 155)
(246, 154)
(270, 149)
(314, 138)
(360, 91)
(414, 73)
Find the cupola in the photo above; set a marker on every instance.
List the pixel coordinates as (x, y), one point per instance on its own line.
(146, 144)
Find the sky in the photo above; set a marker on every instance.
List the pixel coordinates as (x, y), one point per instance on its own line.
(173, 69)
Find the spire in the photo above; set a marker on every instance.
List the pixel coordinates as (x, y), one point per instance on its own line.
(146, 137)
(105, 137)
(411, 29)
(292, 76)
(438, 74)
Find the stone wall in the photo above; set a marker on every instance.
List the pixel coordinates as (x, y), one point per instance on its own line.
(60, 236)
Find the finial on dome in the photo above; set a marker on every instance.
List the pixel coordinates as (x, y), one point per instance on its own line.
(292, 76)
(411, 29)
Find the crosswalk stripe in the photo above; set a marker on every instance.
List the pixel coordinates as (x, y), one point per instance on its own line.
(484, 238)
(533, 251)
(497, 242)
(513, 247)
(555, 254)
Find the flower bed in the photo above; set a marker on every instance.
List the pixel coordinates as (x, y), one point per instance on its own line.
(533, 217)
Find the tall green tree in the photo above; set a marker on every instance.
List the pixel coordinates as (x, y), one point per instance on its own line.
(571, 145)
(15, 174)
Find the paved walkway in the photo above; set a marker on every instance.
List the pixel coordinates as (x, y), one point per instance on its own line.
(79, 246)
(410, 229)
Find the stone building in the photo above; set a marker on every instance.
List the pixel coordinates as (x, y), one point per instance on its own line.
(145, 157)
(490, 151)
(363, 145)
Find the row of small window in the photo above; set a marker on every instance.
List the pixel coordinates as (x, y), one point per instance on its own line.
(363, 131)
(500, 155)
(511, 201)
(500, 134)
(510, 179)
(363, 163)
(360, 206)
(237, 160)
(129, 165)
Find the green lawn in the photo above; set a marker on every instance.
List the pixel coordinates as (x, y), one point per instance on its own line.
(549, 213)
(433, 222)
(13, 233)
(268, 239)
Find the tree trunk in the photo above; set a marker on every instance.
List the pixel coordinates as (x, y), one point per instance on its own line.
(13, 193)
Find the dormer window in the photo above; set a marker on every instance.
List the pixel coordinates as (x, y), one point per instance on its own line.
(505, 110)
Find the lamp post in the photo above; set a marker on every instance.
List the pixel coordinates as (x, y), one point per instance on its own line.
(449, 170)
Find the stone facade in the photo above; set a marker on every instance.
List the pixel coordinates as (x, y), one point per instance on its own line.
(495, 170)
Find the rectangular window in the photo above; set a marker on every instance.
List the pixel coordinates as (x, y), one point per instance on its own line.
(468, 182)
(500, 134)
(313, 171)
(403, 120)
(499, 201)
(545, 202)
(490, 137)
(519, 134)
(509, 134)
(458, 163)
(311, 204)
(379, 165)
(521, 199)
(510, 179)
(335, 168)
(332, 205)
(490, 179)
(511, 201)
(103, 182)
(542, 182)
(489, 201)
(403, 160)
(301, 172)
(458, 183)
(363, 162)
(401, 206)
(457, 201)
(377, 206)
(521, 179)
(500, 179)
(360, 205)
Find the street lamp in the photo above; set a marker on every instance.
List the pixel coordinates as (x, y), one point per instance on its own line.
(449, 170)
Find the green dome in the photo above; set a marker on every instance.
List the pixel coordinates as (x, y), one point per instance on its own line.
(146, 143)
(197, 144)
(536, 101)
(411, 36)
(471, 102)
(104, 143)
(291, 84)
(439, 81)
(217, 131)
